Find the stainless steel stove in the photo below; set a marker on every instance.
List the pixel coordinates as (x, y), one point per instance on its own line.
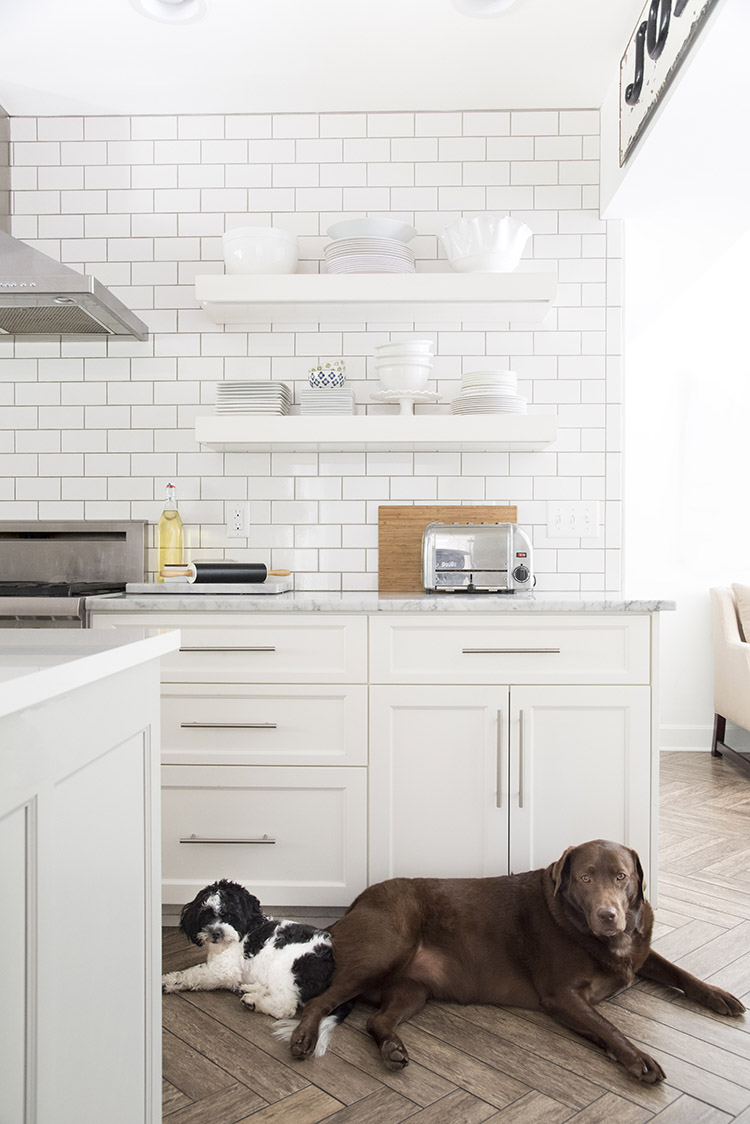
(49, 568)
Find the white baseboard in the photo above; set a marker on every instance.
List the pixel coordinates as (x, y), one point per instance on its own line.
(696, 738)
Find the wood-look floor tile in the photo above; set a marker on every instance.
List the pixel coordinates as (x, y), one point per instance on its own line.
(688, 938)
(688, 1110)
(308, 1106)
(537, 1033)
(534, 1108)
(383, 1107)
(457, 1108)
(610, 1108)
(189, 1070)
(471, 1066)
(724, 948)
(415, 1081)
(502, 1054)
(728, 1034)
(245, 1062)
(171, 1098)
(227, 1107)
(344, 1081)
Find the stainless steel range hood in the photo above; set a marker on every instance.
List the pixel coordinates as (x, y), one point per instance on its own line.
(41, 297)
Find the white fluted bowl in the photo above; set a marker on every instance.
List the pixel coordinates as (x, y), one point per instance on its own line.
(486, 243)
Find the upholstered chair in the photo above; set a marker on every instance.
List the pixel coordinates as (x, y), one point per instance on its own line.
(729, 607)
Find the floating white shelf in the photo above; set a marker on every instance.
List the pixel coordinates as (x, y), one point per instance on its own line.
(495, 298)
(377, 433)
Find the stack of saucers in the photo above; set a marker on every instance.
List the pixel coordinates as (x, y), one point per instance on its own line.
(489, 392)
(326, 400)
(252, 397)
(370, 245)
(368, 255)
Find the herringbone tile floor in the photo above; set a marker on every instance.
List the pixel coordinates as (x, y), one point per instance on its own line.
(474, 1064)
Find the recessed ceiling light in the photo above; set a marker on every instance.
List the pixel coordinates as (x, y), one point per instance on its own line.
(171, 11)
(483, 7)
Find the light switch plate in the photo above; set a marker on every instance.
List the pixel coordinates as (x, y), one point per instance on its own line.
(573, 519)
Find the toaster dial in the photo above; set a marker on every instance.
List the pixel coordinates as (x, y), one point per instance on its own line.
(521, 573)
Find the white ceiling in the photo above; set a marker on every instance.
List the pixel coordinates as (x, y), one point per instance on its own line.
(256, 56)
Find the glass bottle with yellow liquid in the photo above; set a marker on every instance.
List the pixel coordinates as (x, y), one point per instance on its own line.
(170, 534)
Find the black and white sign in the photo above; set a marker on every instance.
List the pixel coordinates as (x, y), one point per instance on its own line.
(664, 34)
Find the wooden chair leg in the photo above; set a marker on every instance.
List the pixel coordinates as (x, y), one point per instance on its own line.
(720, 727)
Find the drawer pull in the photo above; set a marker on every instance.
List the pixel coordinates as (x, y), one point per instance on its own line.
(203, 648)
(228, 725)
(509, 651)
(207, 839)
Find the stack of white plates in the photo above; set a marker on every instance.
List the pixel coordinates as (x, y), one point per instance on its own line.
(326, 400)
(489, 392)
(236, 397)
(369, 255)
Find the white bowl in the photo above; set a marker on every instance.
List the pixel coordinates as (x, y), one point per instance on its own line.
(372, 228)
(404, 347)
(404, 376)
(487, 243)
(260, 249)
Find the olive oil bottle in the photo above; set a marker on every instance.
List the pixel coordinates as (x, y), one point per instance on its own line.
(170, 534)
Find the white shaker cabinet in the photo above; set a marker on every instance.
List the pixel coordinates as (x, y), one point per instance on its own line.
(496, 743)
(468, 781)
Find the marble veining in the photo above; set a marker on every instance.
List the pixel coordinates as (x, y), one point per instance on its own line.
(373, 603)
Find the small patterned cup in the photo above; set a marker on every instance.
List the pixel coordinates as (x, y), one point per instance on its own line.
(328, 374)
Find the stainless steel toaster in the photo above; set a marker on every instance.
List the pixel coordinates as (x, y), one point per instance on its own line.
(476, 558)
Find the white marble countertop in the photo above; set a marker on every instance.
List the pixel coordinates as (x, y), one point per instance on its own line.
(374, 603)
(38, 664)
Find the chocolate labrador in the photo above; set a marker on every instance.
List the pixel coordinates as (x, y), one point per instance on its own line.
(560, 939)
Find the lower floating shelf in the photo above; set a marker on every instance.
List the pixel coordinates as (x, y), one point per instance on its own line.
(523, 433)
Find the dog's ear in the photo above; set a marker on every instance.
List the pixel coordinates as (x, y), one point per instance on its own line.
(189, 918)
(641, 892)
(558, 871)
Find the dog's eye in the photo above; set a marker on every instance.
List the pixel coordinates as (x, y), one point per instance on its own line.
(621, 876)
(585, 878)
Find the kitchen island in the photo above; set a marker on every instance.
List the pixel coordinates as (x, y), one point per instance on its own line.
(79, 875)
(314, 743)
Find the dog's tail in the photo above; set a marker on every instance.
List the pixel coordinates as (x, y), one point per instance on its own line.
(284, 1027)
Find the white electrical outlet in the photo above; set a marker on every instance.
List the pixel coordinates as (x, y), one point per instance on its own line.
(238, 519)
(577, 519)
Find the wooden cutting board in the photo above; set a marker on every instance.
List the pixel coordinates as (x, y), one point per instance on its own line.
(400, 538)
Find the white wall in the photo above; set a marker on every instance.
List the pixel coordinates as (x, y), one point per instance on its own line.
(685, 201)
(96, 429)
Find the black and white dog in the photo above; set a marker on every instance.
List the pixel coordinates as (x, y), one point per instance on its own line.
(276, 966)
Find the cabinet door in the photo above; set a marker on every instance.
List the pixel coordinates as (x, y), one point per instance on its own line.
(579, 769)
(438, 803)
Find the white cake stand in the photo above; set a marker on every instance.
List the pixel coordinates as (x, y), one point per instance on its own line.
(405, 398)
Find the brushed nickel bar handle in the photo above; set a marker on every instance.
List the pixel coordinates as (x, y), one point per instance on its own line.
(500, 742)
(509, 651)
(521, 756)
(211, 839)
(201, 648)
(228, 725)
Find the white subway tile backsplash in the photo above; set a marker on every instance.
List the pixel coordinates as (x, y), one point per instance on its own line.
(96, 428)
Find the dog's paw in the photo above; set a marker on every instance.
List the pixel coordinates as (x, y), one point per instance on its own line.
(722, 1002)
(645, 1068)
(171, 982)
(394, 1054)
(302, 1043)
(248, 1001)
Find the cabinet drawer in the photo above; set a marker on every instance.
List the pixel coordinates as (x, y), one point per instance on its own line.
(294, 836)
(533, 648)
(259, 647)
(270, 725)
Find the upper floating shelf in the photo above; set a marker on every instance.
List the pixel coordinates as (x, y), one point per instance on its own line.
(495, 298)
(377, 433)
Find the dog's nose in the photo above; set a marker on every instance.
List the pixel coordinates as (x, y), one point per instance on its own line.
(606, 914)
